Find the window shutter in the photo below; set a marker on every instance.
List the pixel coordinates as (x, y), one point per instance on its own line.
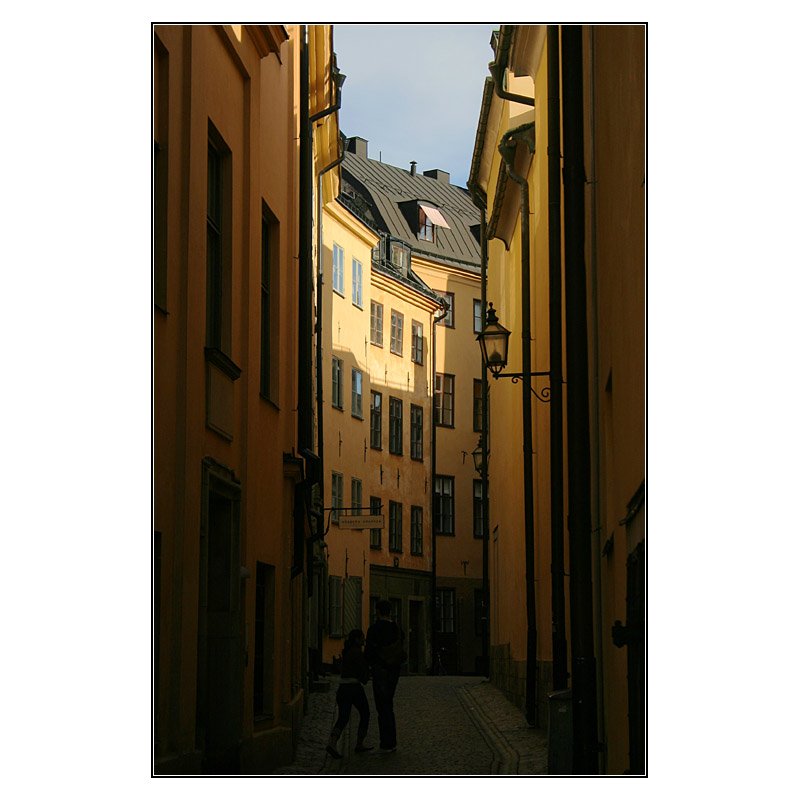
(335, 606)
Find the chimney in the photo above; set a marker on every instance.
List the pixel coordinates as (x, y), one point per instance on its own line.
(413, 168)
(357, 145)
(438, 175)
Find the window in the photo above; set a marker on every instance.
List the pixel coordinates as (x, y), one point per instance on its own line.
(336, 399)
(268, 255)
(338, 269)
(399, 256)
(397, 610)
(449, 318)
(335, 591)
(376, 420)
(357, 283)
(445, 610)
(218, 239)
(355, 496)
(477, 316)
(416, 530)
(395, 527)
(443, 399)
(337, 495)
(375, 533)
(395, 426)
(416, 342)
(443, 506)
(477, 509)
(477, 405)
(376, 323)
(426, 227)
(416, 432)
(356, 407)
(396, 344)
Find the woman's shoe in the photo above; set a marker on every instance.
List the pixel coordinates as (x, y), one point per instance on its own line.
(363, 748)
(332, 751)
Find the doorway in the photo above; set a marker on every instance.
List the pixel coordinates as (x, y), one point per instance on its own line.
(220, 635)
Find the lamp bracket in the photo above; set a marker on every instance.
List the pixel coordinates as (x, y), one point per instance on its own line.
(516, 377)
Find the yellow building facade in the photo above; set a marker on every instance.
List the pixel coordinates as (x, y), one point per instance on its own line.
(377, 433)
(574, 225)
(231, 488)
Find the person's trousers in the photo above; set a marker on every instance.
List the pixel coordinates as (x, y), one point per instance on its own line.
(384, 683)
(347, 696)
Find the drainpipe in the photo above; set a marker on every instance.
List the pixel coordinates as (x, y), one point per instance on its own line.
(508, 150)
(499, 66)
(485, 459)
(556, 392)
(304, 316)
(597, 508)
(584, 692)
(434, 638)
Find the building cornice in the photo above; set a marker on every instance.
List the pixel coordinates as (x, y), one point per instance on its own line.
(346, 219)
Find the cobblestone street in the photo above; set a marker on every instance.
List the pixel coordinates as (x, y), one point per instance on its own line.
(448, 725)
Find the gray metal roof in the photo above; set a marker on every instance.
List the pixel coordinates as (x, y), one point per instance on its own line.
(389, 186)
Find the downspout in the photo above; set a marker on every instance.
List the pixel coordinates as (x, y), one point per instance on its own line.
(485, 458)
(499, 66)
(434, 638)
(556, 355)
(479, 199)
(508, 151)
(597, 509)
(584, 691)
(304, 320)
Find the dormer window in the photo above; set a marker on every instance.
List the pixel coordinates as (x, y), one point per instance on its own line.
(429, 219)
(400, 256)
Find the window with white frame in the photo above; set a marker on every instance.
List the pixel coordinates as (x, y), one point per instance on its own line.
(336, 392)
(396, 343)
(337, 495)
(376, 323)
(416, 342)
(445, 610)
(355, 496)
(449, 318)
(357, 283)
(477, 316)
(356, 408)
(338, 269)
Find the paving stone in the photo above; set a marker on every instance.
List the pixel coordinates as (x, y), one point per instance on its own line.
(446, 725)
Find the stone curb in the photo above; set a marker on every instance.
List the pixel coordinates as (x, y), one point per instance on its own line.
(506, 758)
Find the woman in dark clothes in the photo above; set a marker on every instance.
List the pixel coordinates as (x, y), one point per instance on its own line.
(355, 672)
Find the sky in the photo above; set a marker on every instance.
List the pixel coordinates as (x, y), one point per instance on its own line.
(414, 91)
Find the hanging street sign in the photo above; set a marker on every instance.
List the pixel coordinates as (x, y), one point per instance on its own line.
(355, 522)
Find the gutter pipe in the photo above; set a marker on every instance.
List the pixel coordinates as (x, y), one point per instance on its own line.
(499, 66)
(434, 638)
(508, 149)
(584, 677)
(556, 355)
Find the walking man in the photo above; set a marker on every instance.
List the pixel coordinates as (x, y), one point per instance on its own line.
(385, 655)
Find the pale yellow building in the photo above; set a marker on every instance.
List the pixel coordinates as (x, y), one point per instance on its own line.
(377, 418)
(430, 231)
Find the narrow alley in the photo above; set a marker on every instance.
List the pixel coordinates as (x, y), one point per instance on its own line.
(448, 725)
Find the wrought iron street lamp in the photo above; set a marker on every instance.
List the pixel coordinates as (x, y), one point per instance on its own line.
(477, 456)
(493, 341)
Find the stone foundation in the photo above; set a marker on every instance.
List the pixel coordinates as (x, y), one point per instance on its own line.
(508, 675)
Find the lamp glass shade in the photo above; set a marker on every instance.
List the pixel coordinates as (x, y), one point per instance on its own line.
(493, 340)
(477, 457)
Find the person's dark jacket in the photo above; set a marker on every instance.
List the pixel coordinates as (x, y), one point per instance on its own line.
(354, 665)
(381, 633)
